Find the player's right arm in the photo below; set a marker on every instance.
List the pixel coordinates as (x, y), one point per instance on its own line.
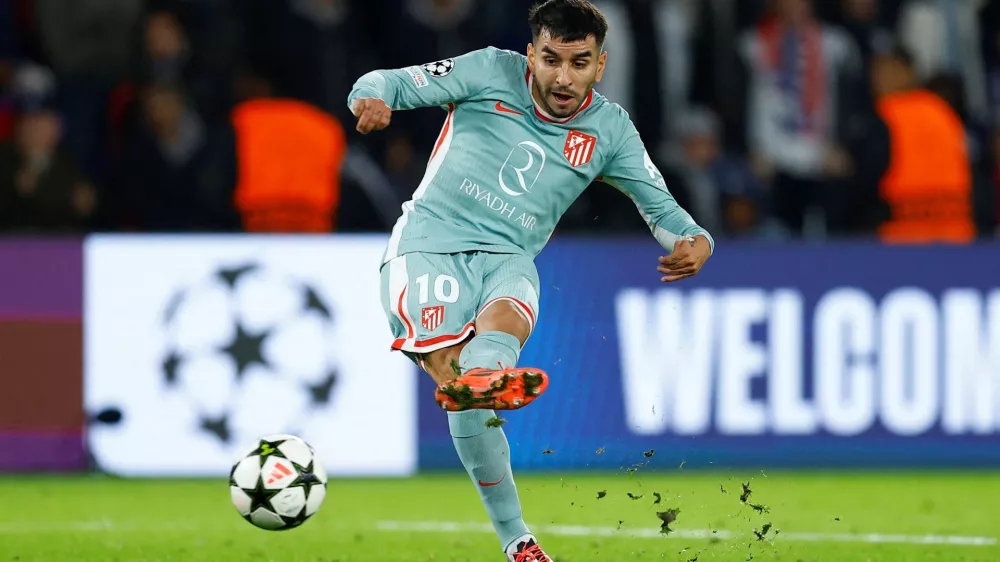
(379, 92)
(631, 171)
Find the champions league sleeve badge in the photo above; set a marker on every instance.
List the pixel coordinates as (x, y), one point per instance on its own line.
(440, 68)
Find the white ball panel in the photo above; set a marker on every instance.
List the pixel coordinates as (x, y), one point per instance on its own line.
(278, 437)
(277, 473)
(248, 451)
(316, 496)
(241, 500)
(319, 470)
(266, 519)
(247, 472)
(297, 451)
(290, 501)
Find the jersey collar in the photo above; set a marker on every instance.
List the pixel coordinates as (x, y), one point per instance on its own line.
(541, 114)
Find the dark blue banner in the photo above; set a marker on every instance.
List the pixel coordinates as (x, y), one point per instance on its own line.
(828, 355)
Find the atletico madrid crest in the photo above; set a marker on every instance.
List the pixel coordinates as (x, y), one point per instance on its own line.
(579, 148)
(431, 317)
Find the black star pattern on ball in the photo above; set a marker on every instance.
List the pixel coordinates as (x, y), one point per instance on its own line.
(306, 480)
(306, 477)
(266, 449)
(245, 349)
(232, 276)
(260, 496)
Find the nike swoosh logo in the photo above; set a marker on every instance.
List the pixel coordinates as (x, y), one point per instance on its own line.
(488, 484)
(503, 109)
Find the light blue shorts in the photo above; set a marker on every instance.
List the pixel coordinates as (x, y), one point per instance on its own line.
(432, 300)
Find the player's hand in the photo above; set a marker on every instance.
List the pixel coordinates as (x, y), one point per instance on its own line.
(685, 261)
(372, 113)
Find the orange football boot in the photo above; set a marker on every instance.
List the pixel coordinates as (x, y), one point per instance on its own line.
(485, 389)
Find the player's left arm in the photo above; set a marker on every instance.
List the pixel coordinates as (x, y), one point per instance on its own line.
(631, 171)
(380, 92)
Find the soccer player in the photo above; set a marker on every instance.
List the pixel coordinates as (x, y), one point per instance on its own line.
(523, 137)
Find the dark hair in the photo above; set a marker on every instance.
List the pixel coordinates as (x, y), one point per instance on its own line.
(569, 20)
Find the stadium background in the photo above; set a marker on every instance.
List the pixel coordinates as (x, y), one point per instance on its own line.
(139, 268)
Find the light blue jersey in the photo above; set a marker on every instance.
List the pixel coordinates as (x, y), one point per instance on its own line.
(502, 172)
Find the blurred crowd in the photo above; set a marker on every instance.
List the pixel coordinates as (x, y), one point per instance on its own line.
(769, 118)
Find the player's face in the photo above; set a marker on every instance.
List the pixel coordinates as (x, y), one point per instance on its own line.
(564, 72)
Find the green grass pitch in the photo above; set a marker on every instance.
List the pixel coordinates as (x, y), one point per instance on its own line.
(888, 516)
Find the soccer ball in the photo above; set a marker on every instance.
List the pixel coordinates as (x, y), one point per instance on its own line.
(278, 484)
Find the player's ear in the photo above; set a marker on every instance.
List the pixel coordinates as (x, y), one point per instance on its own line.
(531, 55)
(602, 60)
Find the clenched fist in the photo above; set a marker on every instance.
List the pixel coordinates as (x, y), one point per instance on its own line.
(372, 113)
(690, 253)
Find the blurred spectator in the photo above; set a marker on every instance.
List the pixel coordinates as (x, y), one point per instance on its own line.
(928, 185)
(6, 99)
(156, 98)
(88, 44)
(167, 56)
(990, 27)
(720, 191)
(167, 50)
(951, 88)
(426, 30)
(88, 38)
(41, 189)
(995, 176)
(860, 19)
(311, 50)
(289, 155)
(176, 174)
(649, 73)
(7, 51)
(423, 31)
(7, 30)
(944, 37)
(801, 74)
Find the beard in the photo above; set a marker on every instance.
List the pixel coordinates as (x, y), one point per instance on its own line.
(560, 102)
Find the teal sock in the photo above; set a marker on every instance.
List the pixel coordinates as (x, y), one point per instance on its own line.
(484, 451)
(490, 350)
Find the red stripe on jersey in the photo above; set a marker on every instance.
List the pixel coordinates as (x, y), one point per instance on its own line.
(402, 314)
(444, 130)
(399, 343)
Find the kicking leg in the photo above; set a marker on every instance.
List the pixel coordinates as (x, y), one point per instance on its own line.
(482, 447)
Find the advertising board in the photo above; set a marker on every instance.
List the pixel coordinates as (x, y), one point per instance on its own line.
(42, 419)
(776, 355)
(205, 343)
